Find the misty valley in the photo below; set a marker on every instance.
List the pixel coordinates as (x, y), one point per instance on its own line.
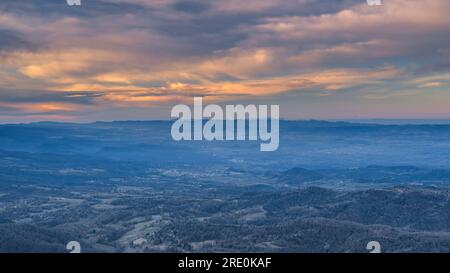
(128, 187)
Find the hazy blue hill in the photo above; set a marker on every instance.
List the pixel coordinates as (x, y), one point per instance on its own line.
(309, 144)
(299, 175)
(370, 175)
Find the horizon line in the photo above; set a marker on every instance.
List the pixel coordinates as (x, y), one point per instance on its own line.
(381, 121)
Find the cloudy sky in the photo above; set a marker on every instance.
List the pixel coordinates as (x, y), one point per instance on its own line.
(135, 59)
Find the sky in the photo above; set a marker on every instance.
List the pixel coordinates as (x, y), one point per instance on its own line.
(136, 59)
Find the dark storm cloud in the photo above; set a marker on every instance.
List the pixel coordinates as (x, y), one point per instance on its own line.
(12, 41)
(38, 96)
(193, 7)
(56, 8)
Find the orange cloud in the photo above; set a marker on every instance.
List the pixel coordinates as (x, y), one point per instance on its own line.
(133, 63)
